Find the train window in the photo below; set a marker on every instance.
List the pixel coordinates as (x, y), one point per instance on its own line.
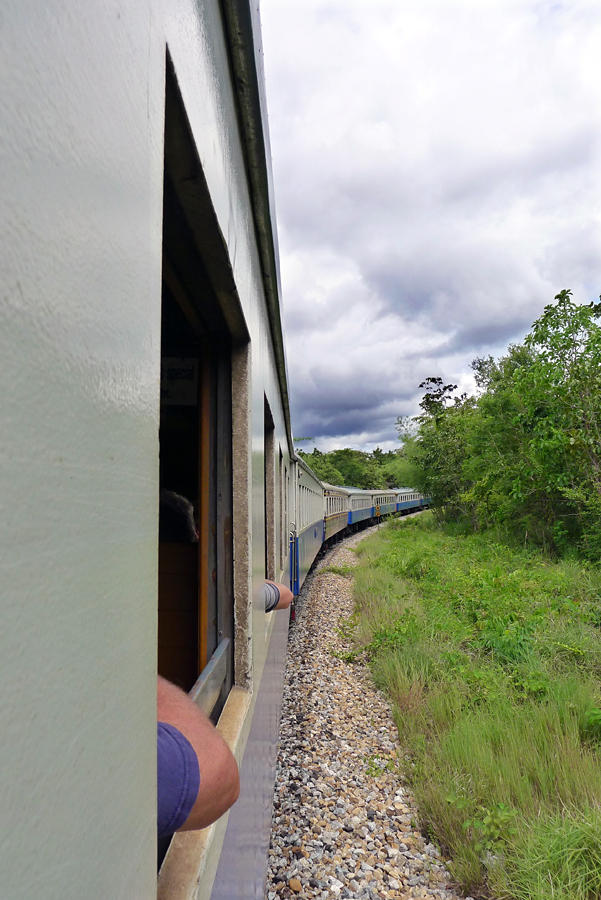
(269, 495)
(204, 342)
(195, 593)
(197, 338)
(178, 549)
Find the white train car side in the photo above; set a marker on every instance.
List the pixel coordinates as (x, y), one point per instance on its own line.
(361, 507)
(307, 533)
(141, 348)
(384, 502)
(408, 500)
(336, 507)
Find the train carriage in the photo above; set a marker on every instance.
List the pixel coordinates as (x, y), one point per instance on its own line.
(360, 506)
(336, 507)
(408, 500)
(142, 350)
(307, 535)
(384, 502)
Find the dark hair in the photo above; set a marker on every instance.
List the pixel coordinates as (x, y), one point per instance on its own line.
(176, 518)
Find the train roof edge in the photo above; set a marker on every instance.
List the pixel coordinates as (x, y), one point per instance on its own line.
(242, 21)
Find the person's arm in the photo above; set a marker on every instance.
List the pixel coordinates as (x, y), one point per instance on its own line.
(219, 778)
(286, 595)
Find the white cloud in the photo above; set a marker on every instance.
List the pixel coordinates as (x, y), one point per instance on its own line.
(437, 183)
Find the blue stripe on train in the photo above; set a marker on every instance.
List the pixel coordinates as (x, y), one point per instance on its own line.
(308, 545)
(359, 515)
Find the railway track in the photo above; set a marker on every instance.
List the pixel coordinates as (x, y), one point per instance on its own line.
(344, 823)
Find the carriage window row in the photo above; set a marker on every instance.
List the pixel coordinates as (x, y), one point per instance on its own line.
(366, 502)
(310, 506)
(335, 504)
(386, 498)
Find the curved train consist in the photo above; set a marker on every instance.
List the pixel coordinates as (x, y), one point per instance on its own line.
(333, 512)
(141, 349)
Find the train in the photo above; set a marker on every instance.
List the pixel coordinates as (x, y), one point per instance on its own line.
(326, 513)
(141, 349)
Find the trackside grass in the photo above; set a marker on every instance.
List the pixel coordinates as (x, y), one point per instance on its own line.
(491, 655)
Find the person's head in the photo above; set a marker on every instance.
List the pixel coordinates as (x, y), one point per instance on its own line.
(176, 518)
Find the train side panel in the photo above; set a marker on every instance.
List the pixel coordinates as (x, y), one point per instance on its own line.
(359, 515)
(360, 506)
(93, 158)
(309, 544)
(407, 499)
(81, 111)
(384, 503)
(336, 510)
(229, 132)
(309, 527)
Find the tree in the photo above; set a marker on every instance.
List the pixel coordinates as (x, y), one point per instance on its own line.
(322, 466)
(562, 398)
(525, 453)
(437, 398)
(351, 468)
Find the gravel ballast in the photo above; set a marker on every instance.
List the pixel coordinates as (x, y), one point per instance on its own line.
(343, 824)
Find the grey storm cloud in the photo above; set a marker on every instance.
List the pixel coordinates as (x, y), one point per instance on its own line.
(437, 183)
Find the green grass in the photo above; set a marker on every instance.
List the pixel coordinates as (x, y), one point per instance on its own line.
(344, 571)
(491, 655)
(560, 857)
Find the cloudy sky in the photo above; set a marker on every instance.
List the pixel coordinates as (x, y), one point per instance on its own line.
(437, 182)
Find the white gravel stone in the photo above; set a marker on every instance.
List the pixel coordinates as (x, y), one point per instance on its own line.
(340, 830)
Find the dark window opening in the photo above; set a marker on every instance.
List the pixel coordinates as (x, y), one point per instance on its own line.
(195, 520)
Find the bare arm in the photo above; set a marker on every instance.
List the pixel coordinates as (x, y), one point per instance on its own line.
(219, 778)
(286, 595)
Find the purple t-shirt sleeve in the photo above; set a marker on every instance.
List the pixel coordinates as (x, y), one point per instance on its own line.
(178, 778)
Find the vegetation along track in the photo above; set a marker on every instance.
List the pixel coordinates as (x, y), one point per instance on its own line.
(344, 824)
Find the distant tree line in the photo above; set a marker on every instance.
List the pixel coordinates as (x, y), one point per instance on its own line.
(524, 454)
(356, 468)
